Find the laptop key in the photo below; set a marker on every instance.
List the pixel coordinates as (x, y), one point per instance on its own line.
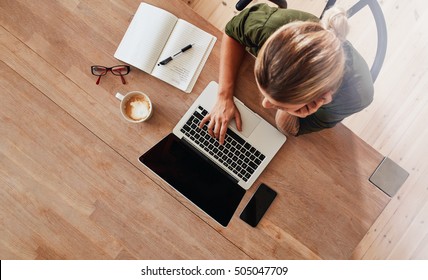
(186, 127)
(198, 116)
(253, 165)
(250, 170)
(190, 120)
(235, 137)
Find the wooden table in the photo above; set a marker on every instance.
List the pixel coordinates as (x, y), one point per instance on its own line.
(72, 186)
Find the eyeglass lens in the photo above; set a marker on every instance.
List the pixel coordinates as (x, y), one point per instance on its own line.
(120, 70)
(99, 70)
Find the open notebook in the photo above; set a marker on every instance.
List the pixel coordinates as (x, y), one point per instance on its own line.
(154, 35)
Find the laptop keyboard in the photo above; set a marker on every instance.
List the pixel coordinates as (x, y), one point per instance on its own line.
(235, 154)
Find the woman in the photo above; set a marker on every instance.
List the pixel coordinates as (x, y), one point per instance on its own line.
(305, 69)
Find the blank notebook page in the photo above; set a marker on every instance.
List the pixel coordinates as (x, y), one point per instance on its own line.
(145, 37)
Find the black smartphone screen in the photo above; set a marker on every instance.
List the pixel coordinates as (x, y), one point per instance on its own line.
(259, 203)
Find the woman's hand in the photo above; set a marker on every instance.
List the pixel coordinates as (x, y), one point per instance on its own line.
(312, 107)
(221, 114)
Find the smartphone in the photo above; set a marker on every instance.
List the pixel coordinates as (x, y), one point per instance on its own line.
(258, 205)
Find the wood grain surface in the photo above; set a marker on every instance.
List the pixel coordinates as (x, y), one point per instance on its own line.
(71, 183)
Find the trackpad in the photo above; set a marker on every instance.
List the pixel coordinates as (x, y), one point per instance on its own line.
(249, 119)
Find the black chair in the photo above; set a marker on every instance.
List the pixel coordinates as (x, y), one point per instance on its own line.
(379, 18)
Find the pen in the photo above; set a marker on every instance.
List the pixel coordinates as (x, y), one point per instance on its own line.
(166, 60)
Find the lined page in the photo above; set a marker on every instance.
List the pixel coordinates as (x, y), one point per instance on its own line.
(184, 69)
(145, 37)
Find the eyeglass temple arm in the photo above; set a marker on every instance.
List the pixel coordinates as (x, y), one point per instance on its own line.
(98, 80)
(123, 79)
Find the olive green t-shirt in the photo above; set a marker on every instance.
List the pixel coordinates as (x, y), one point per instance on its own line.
(254, 25)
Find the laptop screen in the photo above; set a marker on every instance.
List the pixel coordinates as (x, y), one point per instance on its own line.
(195, 177)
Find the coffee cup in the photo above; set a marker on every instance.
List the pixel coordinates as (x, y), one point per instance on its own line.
(135, 106)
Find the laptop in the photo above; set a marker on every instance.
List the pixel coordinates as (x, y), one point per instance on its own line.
(214, 177)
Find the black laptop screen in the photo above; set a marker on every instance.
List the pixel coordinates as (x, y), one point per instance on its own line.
(195, 177)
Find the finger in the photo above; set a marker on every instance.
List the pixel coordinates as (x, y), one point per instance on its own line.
(302, 112)
(210, 128)
(204, 121)
(238, 120)
(314, 106)
(222, 136)
(311, 107)
(327, 98)
(216, 130)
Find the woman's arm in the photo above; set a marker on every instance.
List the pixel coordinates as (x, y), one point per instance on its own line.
(225, 110)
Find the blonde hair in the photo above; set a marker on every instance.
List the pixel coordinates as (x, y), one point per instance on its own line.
(301, 61)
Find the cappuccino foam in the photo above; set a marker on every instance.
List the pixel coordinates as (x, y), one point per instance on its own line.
(137, 108)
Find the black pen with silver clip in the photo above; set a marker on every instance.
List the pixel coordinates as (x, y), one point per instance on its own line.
(166, 60)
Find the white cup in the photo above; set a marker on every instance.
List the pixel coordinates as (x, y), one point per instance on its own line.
(135, 106)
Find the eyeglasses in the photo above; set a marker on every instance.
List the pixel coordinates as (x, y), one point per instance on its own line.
(118, 70)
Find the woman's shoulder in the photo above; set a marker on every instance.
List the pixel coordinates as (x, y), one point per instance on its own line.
(254, 25)
(267, 16)
(357, 85)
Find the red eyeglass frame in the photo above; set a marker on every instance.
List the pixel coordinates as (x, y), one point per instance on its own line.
(95, 70)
